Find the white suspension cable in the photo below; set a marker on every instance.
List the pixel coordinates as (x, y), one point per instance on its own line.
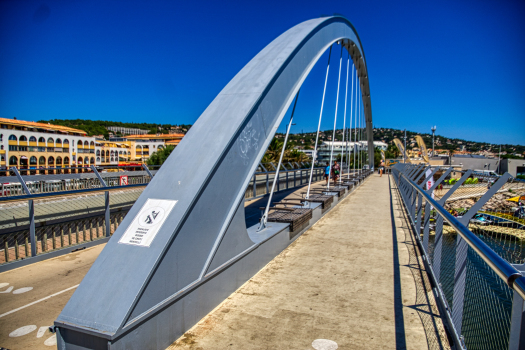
(359, 132)
(318, 126)
(350, 132)
(264, 219)
(344, 121)
(355, 119)
(335, 117)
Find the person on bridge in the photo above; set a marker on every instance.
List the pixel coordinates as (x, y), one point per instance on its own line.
(327, 172)
(335, 171)
(381, 168)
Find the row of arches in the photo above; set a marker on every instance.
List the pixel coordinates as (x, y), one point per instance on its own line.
(112, 153)
(111, 159)
(50, 141)
(50, 161)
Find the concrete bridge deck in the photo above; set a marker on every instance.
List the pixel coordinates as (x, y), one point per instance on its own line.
(350, 279)
(353, 279)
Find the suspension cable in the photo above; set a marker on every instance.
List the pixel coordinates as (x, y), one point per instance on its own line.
(355, 119)
(335, 117)
(350, 128)
(264, 219)
(359, 132)
(318, 126)
(344, 121)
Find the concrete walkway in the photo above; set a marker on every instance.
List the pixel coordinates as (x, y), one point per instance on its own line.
(352, 279)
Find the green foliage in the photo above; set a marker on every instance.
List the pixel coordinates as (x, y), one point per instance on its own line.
(159, 157)
(452, 181)
(468, 181)
(392, 152)
(475, 180)
(290, 155)
(522, 177)
(98, 127)
(377, 157)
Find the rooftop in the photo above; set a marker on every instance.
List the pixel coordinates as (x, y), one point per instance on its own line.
(23, 123)
(155, 137)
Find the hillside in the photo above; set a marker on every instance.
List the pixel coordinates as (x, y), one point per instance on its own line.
(98, 127)
(307, 140)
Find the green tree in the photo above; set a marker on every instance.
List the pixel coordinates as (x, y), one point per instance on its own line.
(159, 157)
(392, 152)
(377, 157)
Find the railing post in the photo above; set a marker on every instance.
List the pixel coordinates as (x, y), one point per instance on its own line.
(147, 170)
(426, 221)
(267, 182)
(22, 182)
(32, 235)
(416, 180)
(438, 230)
(517, 321)
(107, 214)
(254, 185)
(98, 176)
(418, 215)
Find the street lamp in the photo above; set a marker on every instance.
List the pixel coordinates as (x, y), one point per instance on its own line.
(433, 133)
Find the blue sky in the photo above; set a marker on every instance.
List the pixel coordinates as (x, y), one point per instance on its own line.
(456, 64)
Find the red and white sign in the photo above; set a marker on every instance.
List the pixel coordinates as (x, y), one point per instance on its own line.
(430, 182)
(124, 180)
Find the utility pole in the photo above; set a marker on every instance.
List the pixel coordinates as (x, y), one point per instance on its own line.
(499, 160)
(433, 133)
(404, 153)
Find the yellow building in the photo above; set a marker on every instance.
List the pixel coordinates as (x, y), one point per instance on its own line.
(30, 145)
(143, 146)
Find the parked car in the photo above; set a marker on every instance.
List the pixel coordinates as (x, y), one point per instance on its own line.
(486, 175)
(480, 219)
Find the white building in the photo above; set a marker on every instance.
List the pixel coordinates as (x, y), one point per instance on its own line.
(325, 148)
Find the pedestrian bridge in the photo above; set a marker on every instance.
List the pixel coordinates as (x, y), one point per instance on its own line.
(364, 261)
(355, 278)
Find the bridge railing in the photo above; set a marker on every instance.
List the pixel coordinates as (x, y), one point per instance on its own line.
(34, 223)
(52, 180)
(261, 182)
(473, 256)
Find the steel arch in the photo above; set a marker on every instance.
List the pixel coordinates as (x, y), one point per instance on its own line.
(203, 251)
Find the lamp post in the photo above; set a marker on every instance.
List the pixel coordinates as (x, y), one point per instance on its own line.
(405, 142)
(433, 133)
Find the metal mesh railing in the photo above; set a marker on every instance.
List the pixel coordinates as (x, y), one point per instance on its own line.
(64, 219)
(477, 299)
(60, 221)
(54, 180)
(261, 182)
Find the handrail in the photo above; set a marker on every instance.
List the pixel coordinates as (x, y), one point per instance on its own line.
(102, 189)
(66, 193)
(500, 266)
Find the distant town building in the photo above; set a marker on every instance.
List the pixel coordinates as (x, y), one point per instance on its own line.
(30, 145)
(143, 146)
(475, 162)
(127, 131)
(324, 150)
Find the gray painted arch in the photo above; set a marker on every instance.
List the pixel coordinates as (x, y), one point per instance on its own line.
(130, 288)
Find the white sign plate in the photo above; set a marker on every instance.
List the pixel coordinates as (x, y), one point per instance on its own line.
(148, 222)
